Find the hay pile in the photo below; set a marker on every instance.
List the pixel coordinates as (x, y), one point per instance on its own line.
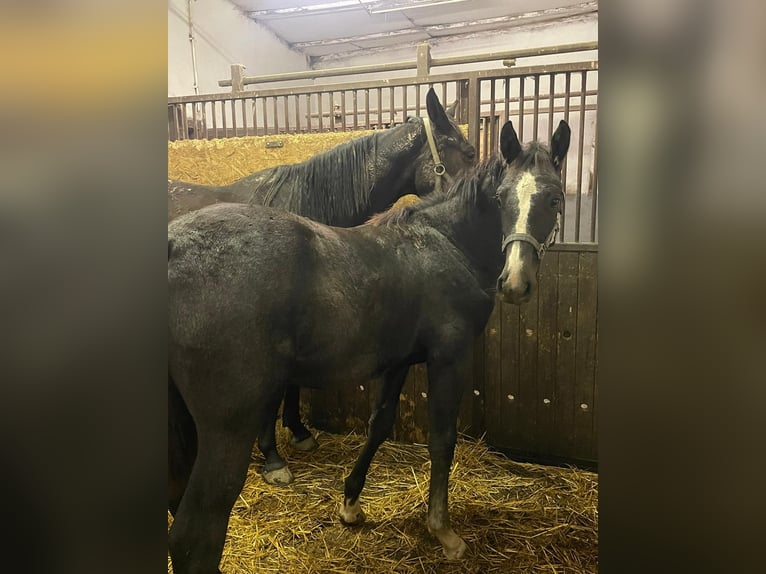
(514, 517)
(222, 161)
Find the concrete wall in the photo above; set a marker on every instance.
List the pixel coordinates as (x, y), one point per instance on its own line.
(223, 36)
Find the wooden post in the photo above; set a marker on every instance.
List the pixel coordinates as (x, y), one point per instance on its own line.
(462, 107)
(236, 78)
(424, 60)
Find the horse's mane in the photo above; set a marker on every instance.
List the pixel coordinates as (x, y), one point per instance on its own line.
(329, 186)
(468, 188)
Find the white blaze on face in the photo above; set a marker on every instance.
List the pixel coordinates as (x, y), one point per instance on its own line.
(525, 189)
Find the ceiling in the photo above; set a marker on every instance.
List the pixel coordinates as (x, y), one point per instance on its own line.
(324, 29)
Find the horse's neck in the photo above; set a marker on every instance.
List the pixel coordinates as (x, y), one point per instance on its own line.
(476, 234)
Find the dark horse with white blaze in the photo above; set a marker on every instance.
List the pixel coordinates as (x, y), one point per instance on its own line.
(342, 187)
(259, 298)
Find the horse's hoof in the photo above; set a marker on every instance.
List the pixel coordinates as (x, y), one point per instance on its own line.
(351, 514)
(279, 477)
(455, 552)
(306, 444)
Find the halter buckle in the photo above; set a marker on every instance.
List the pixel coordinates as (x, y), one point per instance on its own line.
(439, 169)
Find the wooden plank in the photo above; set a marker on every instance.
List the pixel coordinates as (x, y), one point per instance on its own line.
(509, 367)
(585, 355)
(493, 374)
(566, 318)
(546, 352)
(528, 392)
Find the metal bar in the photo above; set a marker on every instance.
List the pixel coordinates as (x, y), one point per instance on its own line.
(276, 114)
(321, 115)
(473, 112)
(297, 114)
(367, 109)
(536, 116)
(355, 100)
(417, 100)
(194, 120)
(521, 109)
(223, 118)
(265, 110)
(492, 123)
(444, 95)
(286, 113)
(507, 102)
(391, 111)
(551, 103)
(215, 121)
(404, 103)
(412, 65)
(567, 89)
(254, 108)
(204, 119)
(594, 199)
(591, 65)
(244, 116)
(580, 155)
(233, 118)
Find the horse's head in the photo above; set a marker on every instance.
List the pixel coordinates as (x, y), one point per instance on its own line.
(531, 198)
(454, 153)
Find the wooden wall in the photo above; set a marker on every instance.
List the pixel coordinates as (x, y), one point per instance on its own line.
(532, 387)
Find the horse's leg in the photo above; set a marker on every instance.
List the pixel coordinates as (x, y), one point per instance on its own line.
(275, 470)
(445, 387)
(381, 423)
(198, 531)
(291, 418)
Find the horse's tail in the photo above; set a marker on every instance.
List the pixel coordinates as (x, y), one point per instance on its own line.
(182, 445)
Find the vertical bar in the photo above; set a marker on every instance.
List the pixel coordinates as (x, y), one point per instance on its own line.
(536, 114)
(417, 100)
(404, 104)
(343, 110)
(391, 110)
(551, 103)
(265, 113)
(367, 108)
(521, 109)
(474, 108)
(594, 198)
(254, 108)
(492, 122)
(276, 114)
(567, 90)
(194, 120)
(286, 109)
(215, 120)
(185, 122)
(507, 99)
(233, 118)
(578, 199)
(204, 120)
(298, 127)
(244, 116)
(332, 111)
(380, 107)
(319, 111)
(355, 99)
(223, 118)
(444, 95)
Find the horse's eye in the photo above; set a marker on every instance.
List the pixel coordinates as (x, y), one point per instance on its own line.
(556, 202)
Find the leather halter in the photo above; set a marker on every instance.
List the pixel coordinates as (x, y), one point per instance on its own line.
(540, 248)
(439, 169)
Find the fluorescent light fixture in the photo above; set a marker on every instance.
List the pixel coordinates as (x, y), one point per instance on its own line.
(402, 6)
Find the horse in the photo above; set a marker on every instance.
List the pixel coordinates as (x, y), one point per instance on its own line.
(342, 187)
(259, 297)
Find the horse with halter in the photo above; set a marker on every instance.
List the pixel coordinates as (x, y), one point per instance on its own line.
(343, 187)
(259, 298)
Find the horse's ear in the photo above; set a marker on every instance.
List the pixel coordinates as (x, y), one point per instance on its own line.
(560, 144)
(436, 112)
(452, 108)
(509, 142)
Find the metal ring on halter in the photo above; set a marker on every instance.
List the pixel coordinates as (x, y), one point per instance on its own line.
(439, 169)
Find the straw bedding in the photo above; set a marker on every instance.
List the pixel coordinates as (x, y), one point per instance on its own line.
(514, 517)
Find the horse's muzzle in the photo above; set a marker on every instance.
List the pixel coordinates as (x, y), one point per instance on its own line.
(517, 287)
